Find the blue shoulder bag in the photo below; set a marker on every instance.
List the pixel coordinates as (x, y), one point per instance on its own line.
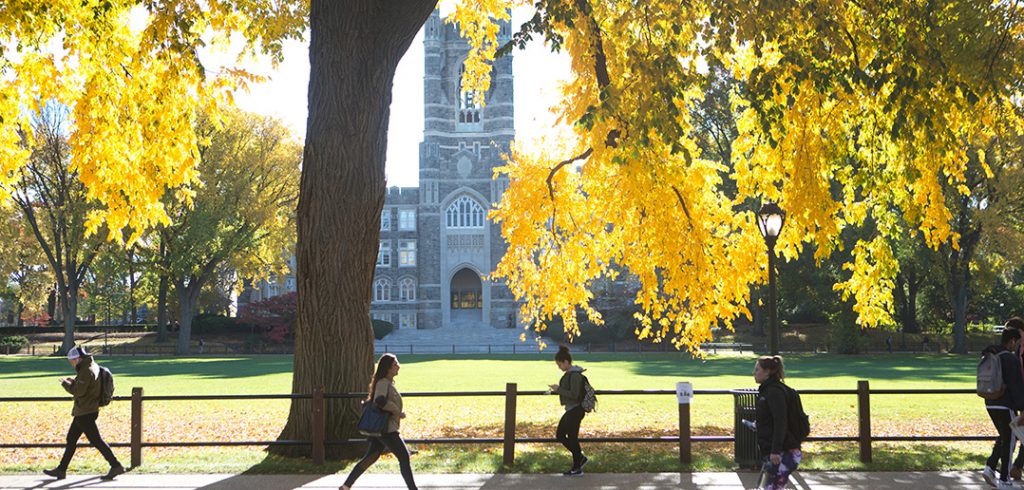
(374, 421)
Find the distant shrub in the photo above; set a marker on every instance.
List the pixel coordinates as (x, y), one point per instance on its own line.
(274, 317)
(207, 323)
(381, 328)
(13, 344)
(845, 336)
(619, 324)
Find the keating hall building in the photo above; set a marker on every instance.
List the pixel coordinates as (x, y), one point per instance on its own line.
(437, 246)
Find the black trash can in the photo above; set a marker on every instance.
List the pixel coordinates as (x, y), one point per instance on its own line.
(745, 445)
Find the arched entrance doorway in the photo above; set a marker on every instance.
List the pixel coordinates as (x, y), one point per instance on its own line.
(467, 301)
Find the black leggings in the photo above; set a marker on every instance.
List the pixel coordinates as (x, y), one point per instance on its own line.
(1002, 449)
(396, 445)
(86, 424)
(568, 433)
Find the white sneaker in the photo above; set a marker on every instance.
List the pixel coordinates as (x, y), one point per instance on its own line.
(990, 475)
(1005, 484)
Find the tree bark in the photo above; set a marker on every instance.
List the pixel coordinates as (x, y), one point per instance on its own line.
(959, 297)
(69, 308)
(131, 288)
(161, 309)
(959, 284)
(188, 295)
(161, 294)
(354, 49)
(913, 288)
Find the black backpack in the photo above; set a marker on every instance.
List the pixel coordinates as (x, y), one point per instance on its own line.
(797, 420)
(106, 379)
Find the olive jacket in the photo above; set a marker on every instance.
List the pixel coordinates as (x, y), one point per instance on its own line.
(570, 388)
(85, 387)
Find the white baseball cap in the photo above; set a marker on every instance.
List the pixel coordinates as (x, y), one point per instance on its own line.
(77, 352)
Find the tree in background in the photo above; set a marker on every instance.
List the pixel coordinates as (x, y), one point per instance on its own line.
(53, 201)
(242, 218)
(25, 278)
(988, 212)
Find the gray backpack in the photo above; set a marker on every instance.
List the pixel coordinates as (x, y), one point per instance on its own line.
(990, 376)
(589, 402)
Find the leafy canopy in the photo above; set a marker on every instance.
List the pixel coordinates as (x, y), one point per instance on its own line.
(847, 112)
(130, 72)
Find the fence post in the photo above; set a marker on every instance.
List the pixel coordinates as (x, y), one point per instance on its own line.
(318, 426)
(864, 419)
(136, 437)
(509, 452)
(685, 445)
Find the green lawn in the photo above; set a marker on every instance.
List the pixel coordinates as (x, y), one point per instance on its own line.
(483, 417)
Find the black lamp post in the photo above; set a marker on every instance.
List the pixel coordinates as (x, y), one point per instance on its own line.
(770, 219)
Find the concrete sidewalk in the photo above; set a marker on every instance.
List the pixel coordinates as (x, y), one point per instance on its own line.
(605, 481)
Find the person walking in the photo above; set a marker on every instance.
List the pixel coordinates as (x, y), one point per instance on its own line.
(383, 393)
(1018, 324)
(1003, 409)
(570, 394)
(780, 449)
(85, 388)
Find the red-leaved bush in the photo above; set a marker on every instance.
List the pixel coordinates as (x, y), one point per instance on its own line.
(275, 316)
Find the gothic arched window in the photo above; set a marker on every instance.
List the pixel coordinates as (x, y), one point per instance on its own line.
(407, 289)
(382, 290)
(464, 212)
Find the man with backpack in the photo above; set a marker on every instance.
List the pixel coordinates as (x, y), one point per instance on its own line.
(91, 388)
(1001, 384)
(1018, 324)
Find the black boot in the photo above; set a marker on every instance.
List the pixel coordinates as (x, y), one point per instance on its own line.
(114, 471)
(58, 473)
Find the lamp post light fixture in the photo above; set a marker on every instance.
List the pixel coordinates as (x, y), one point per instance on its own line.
(770, 219)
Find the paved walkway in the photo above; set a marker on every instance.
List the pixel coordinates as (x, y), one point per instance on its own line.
(603, 481)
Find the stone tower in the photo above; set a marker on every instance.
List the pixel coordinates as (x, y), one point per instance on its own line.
(462, 144)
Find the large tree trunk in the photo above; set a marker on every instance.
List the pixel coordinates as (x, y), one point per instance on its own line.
(161, 309)
(959, 286)
(69, 308)
(354, 49)
(908, 285)
(18, 322)
(161, 294)
(910, 324)
(131, 288)
(187, 298)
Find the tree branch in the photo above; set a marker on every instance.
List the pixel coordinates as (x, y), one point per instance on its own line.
(682, 203)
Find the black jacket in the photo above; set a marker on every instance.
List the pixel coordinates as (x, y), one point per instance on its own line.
(773, 434)
(1013, 397)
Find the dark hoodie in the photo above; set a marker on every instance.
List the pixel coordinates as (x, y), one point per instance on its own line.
(570, 388)
(773, 434)
(1013, 397)
(85, 387)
